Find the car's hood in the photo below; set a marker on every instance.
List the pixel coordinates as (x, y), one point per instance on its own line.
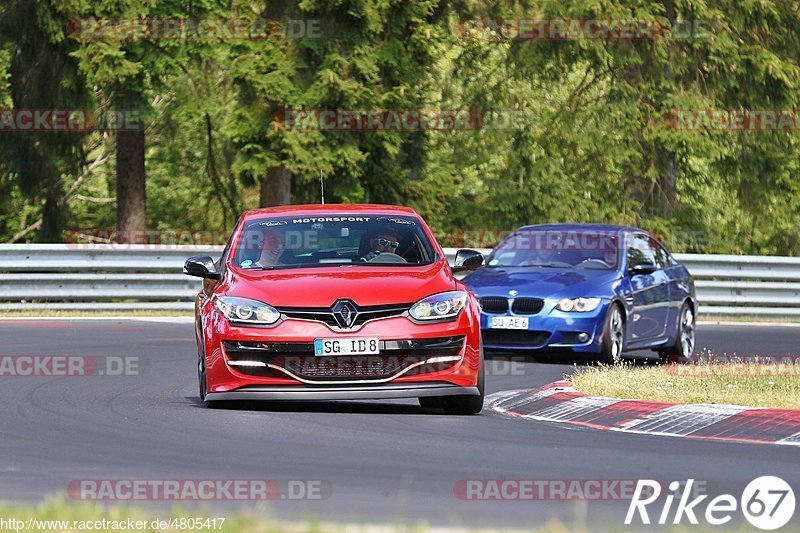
(542, 282)
(321, 287)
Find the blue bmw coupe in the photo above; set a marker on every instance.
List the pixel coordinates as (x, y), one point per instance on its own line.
(585, 288)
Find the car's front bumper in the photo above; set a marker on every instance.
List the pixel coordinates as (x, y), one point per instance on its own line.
(549, 329)
(292, 371)
(382, 392)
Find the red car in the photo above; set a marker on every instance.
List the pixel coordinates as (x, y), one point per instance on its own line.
(337, 302)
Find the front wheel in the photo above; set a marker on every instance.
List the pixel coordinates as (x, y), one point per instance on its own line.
(683, 348)
(613, 336)
(458, 405)
(467, 405)
(202, 379)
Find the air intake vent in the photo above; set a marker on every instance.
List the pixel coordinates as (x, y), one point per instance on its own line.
(494, 304)
(527, 306)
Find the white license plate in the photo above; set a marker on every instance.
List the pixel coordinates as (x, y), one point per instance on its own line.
(508, 322)
(324, 347)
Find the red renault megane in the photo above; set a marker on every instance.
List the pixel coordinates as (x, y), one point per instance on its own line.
(337, 302)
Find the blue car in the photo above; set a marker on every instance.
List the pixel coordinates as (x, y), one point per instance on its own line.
(590, 289)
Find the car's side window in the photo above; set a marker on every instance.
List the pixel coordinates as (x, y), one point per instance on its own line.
(639, 251)
(227, 249)
(662, 257)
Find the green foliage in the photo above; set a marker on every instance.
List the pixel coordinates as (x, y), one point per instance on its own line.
(572, 130)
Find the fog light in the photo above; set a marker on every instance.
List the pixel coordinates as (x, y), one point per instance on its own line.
(583, 337)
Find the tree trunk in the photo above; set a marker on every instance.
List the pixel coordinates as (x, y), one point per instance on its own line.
(53, 216)
(670, 185)
(131, 197)
(276, 187)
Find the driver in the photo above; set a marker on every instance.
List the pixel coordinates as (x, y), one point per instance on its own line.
(546, 255)
(610, 257)
(272, 249)
(384, 241)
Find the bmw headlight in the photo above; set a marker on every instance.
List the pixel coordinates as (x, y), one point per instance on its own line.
(580, 305)
(439, 306)
(246, 311)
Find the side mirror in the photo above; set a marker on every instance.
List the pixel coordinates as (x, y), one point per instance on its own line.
(642, 269)
(201, 266)
(467, 260)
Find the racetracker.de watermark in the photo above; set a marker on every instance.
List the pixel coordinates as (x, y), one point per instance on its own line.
(733, 119)
(550, 489)
(175, 523)
(112, 239)
(197, 489)
(67, 366)
(710, 365)
(195, 29)
(572, 29)
(379, 120)
(69, 120)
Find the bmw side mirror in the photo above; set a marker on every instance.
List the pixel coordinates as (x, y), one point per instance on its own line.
(467, 260)
(201, 266)
(642, 269)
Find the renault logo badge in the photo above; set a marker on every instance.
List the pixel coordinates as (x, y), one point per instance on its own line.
(345, 312)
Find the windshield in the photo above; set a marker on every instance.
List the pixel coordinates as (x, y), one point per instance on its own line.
(557, 249)
(336, 240)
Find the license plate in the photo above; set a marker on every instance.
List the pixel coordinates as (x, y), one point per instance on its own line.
(324, 347)
(508, 322)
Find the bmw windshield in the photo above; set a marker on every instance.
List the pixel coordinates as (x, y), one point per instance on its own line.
(336, 240)
(581, 249)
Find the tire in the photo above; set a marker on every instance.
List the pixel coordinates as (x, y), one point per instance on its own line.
(431, 402)
(613, 336)
(458, 405)
(202, 380)
(683, 348)
(467, 405)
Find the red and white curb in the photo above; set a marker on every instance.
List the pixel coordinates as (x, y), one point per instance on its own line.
(559, 402)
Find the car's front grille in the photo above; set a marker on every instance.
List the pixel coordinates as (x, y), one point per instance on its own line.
(521, 306)
(345, 367)
(297, 359)
(510, 337)
(494, 304)
(364, 313)
(527, 306)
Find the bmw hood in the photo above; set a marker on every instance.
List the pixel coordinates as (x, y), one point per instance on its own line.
(542, 282)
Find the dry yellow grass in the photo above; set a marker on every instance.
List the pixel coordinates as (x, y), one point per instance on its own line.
(736, 383)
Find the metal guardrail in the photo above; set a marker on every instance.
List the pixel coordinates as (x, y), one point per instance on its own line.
(103, 277)
(128, 277)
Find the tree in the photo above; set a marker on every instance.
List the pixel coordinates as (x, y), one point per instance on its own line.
(373, 56)
(43, 76)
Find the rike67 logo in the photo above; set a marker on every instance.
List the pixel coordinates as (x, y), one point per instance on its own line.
(767, 503)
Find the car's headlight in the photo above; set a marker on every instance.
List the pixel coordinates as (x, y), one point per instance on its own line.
(581, 305)
(439, 306)
(246, 311)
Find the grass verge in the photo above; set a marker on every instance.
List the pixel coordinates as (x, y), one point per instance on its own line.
(62, 515)
(756, 384)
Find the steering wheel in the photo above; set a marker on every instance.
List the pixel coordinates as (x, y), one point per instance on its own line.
(387, 257)
(594, 261)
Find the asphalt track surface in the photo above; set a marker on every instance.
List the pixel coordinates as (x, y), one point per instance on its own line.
(384, 462)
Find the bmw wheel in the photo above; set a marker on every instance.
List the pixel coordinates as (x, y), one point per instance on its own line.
(613, 336)
(683, 348)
